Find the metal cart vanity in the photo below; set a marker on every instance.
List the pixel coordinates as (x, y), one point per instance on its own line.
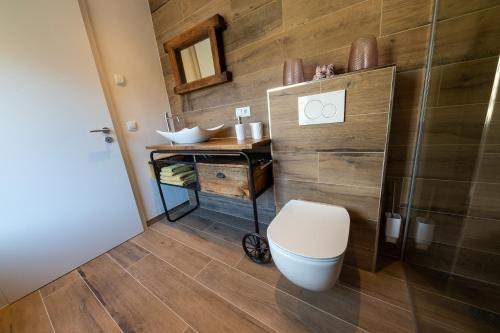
(254, 154)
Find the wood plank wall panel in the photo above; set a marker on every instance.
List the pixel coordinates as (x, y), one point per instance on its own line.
(407, 49)
(405, 14)
(357, 169)
(253, 25)
(371, 138)
(333, 30)
(341, 163)
(297, 14)
(468, 37)
(454, 8)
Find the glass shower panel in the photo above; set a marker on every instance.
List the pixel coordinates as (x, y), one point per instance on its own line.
(455, 215)
(453, 236)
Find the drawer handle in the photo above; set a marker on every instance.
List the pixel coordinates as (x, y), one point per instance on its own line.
(220, 175)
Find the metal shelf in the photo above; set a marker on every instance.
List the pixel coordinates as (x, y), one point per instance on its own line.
(193, 186)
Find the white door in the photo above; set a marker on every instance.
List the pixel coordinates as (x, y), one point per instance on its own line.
(65, 197)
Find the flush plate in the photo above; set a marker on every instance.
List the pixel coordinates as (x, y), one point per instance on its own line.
(322, 108)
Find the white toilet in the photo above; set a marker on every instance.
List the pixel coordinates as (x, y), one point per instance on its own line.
(308, 241)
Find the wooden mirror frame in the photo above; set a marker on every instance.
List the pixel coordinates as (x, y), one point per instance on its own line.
(211, 28)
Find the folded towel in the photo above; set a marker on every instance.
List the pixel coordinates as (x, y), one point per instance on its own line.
(183, 183)
(186, 181)
(179, 176)
(172, 170)
(183, 176)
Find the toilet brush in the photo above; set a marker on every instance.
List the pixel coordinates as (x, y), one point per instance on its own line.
(392, 221)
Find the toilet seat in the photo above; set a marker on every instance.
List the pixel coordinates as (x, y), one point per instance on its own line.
(310, 230)
(301, 257)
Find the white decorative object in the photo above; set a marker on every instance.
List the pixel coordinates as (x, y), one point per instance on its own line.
(322, 108)
(257, 130)
(191, 135)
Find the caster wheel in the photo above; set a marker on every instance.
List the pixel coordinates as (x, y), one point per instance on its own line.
(256, 248)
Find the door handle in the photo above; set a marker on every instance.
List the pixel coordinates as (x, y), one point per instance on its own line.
(102, 130)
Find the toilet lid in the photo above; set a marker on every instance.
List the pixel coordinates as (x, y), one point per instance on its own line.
(310, 229)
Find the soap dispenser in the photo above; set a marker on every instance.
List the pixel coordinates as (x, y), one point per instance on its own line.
(240, 130)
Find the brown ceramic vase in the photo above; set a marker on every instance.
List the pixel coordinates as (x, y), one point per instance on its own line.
(363, 54)
(293, 71)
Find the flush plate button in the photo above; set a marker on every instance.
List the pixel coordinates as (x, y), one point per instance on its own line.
(322, 108)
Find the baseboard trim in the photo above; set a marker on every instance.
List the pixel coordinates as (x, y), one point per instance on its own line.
(162, 216)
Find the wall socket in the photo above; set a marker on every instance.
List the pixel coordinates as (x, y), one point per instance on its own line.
(243, 111)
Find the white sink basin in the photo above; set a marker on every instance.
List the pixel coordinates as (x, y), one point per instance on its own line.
(191, 135)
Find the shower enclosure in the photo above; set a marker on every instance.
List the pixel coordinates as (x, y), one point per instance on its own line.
(449, 174)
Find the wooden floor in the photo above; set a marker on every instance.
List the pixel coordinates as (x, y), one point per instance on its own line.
(192, 276)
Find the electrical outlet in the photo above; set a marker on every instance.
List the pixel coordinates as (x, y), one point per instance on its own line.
(243, 111)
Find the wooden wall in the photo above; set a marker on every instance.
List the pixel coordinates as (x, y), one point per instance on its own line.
(342, 163)
(261, 34)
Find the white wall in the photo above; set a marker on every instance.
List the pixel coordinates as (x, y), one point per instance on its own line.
(3, 300)
(126, 45)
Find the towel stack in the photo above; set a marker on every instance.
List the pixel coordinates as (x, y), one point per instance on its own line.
(178, 174)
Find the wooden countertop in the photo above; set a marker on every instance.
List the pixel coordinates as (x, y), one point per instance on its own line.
(214, 144)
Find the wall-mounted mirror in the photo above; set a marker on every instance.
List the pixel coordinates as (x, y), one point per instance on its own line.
(197, 61)
(197, 57)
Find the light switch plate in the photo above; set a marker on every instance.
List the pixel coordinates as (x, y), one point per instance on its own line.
(322, 108)
(132, 126)
(243, 111)
(119, 80)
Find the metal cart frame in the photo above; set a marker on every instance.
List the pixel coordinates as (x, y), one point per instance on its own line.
(255, 245)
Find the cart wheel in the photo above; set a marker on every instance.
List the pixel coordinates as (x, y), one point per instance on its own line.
(256, 248)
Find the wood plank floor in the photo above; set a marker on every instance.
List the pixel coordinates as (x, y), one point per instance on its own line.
(193, 277)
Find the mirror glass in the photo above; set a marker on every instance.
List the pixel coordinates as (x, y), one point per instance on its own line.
(197, 61)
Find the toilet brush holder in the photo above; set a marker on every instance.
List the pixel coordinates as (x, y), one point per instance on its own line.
(423, 232)
(392, 227)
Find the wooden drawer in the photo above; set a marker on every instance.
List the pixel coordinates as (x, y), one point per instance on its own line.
(229, 176)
